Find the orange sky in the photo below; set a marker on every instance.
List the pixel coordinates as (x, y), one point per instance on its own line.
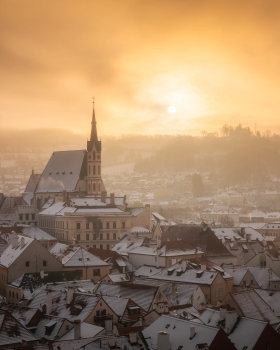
(217, 62)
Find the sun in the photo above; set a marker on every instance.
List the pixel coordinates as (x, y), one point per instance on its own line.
(172, 109)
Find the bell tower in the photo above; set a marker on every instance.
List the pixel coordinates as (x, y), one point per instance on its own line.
(95, 184)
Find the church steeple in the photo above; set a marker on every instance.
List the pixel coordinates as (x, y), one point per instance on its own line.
(95, 184)
(93, 135)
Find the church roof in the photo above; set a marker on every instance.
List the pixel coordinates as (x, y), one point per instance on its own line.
(62, 172)
(32, 183)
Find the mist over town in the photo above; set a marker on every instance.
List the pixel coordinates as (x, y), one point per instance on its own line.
(139, 175)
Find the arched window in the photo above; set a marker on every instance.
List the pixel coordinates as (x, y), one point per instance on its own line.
(94, 170)
(93, 155)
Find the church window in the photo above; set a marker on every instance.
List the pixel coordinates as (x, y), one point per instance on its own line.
(93, 155)
(94, 170)
(98, 169)
(99, 187)
(107, 224)
(89, 169)
(94, 187)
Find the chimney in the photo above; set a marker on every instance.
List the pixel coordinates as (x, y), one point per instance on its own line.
(77, 329)
(22, 242)
(163, 341)
(222, 313)
(112, 198)
(103, 196)
(192, 332)
(69, 295)
(112, 342)
(248, 237)
(133, 338)
(108, 326)
(48, 303)
(14, 240)
(174, 290)
(66, 198)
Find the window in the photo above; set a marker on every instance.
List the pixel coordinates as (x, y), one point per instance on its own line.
(27, 263)
(107, 224)
(44, 263)
(78, 225)
(26, 216)
(114, 236)
(87, 237)
(101, 246)
(123, 224)
(78, 237)
(108, 247)
(87, 225)
(20, 216)
(94, 170)
(94, 236)
(96, 272)
(108, 236)
(101, 236)
(114, 225)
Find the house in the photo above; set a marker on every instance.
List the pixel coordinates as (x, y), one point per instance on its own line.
(250, 304)
(199, 237)
(43, 237)
(179, 294)
(13, 333)
(148, 297)
(214, 283)
(253, 277)
(164, 256)
(171, 333)
(75, 258)
(22, 255)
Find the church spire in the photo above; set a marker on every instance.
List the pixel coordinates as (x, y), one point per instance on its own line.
(93, 135)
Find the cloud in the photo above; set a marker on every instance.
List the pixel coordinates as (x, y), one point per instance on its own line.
(56, 55)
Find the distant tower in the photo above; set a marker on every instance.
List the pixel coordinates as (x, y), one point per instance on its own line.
(94, 181)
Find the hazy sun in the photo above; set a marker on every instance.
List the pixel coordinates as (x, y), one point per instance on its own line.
(171, 109)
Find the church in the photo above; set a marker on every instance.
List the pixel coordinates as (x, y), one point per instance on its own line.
(77, 173)
(73, 204)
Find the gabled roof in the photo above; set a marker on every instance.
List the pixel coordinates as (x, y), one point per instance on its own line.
(247, 332)
(179, 334)
(32, 183)
(10, 254)
(143, 295)
(196, 236)
(12, 331)
(62, 172)
(81, 257)
(177, 273)
(36, 233)
(87, 331)
(252, 305)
